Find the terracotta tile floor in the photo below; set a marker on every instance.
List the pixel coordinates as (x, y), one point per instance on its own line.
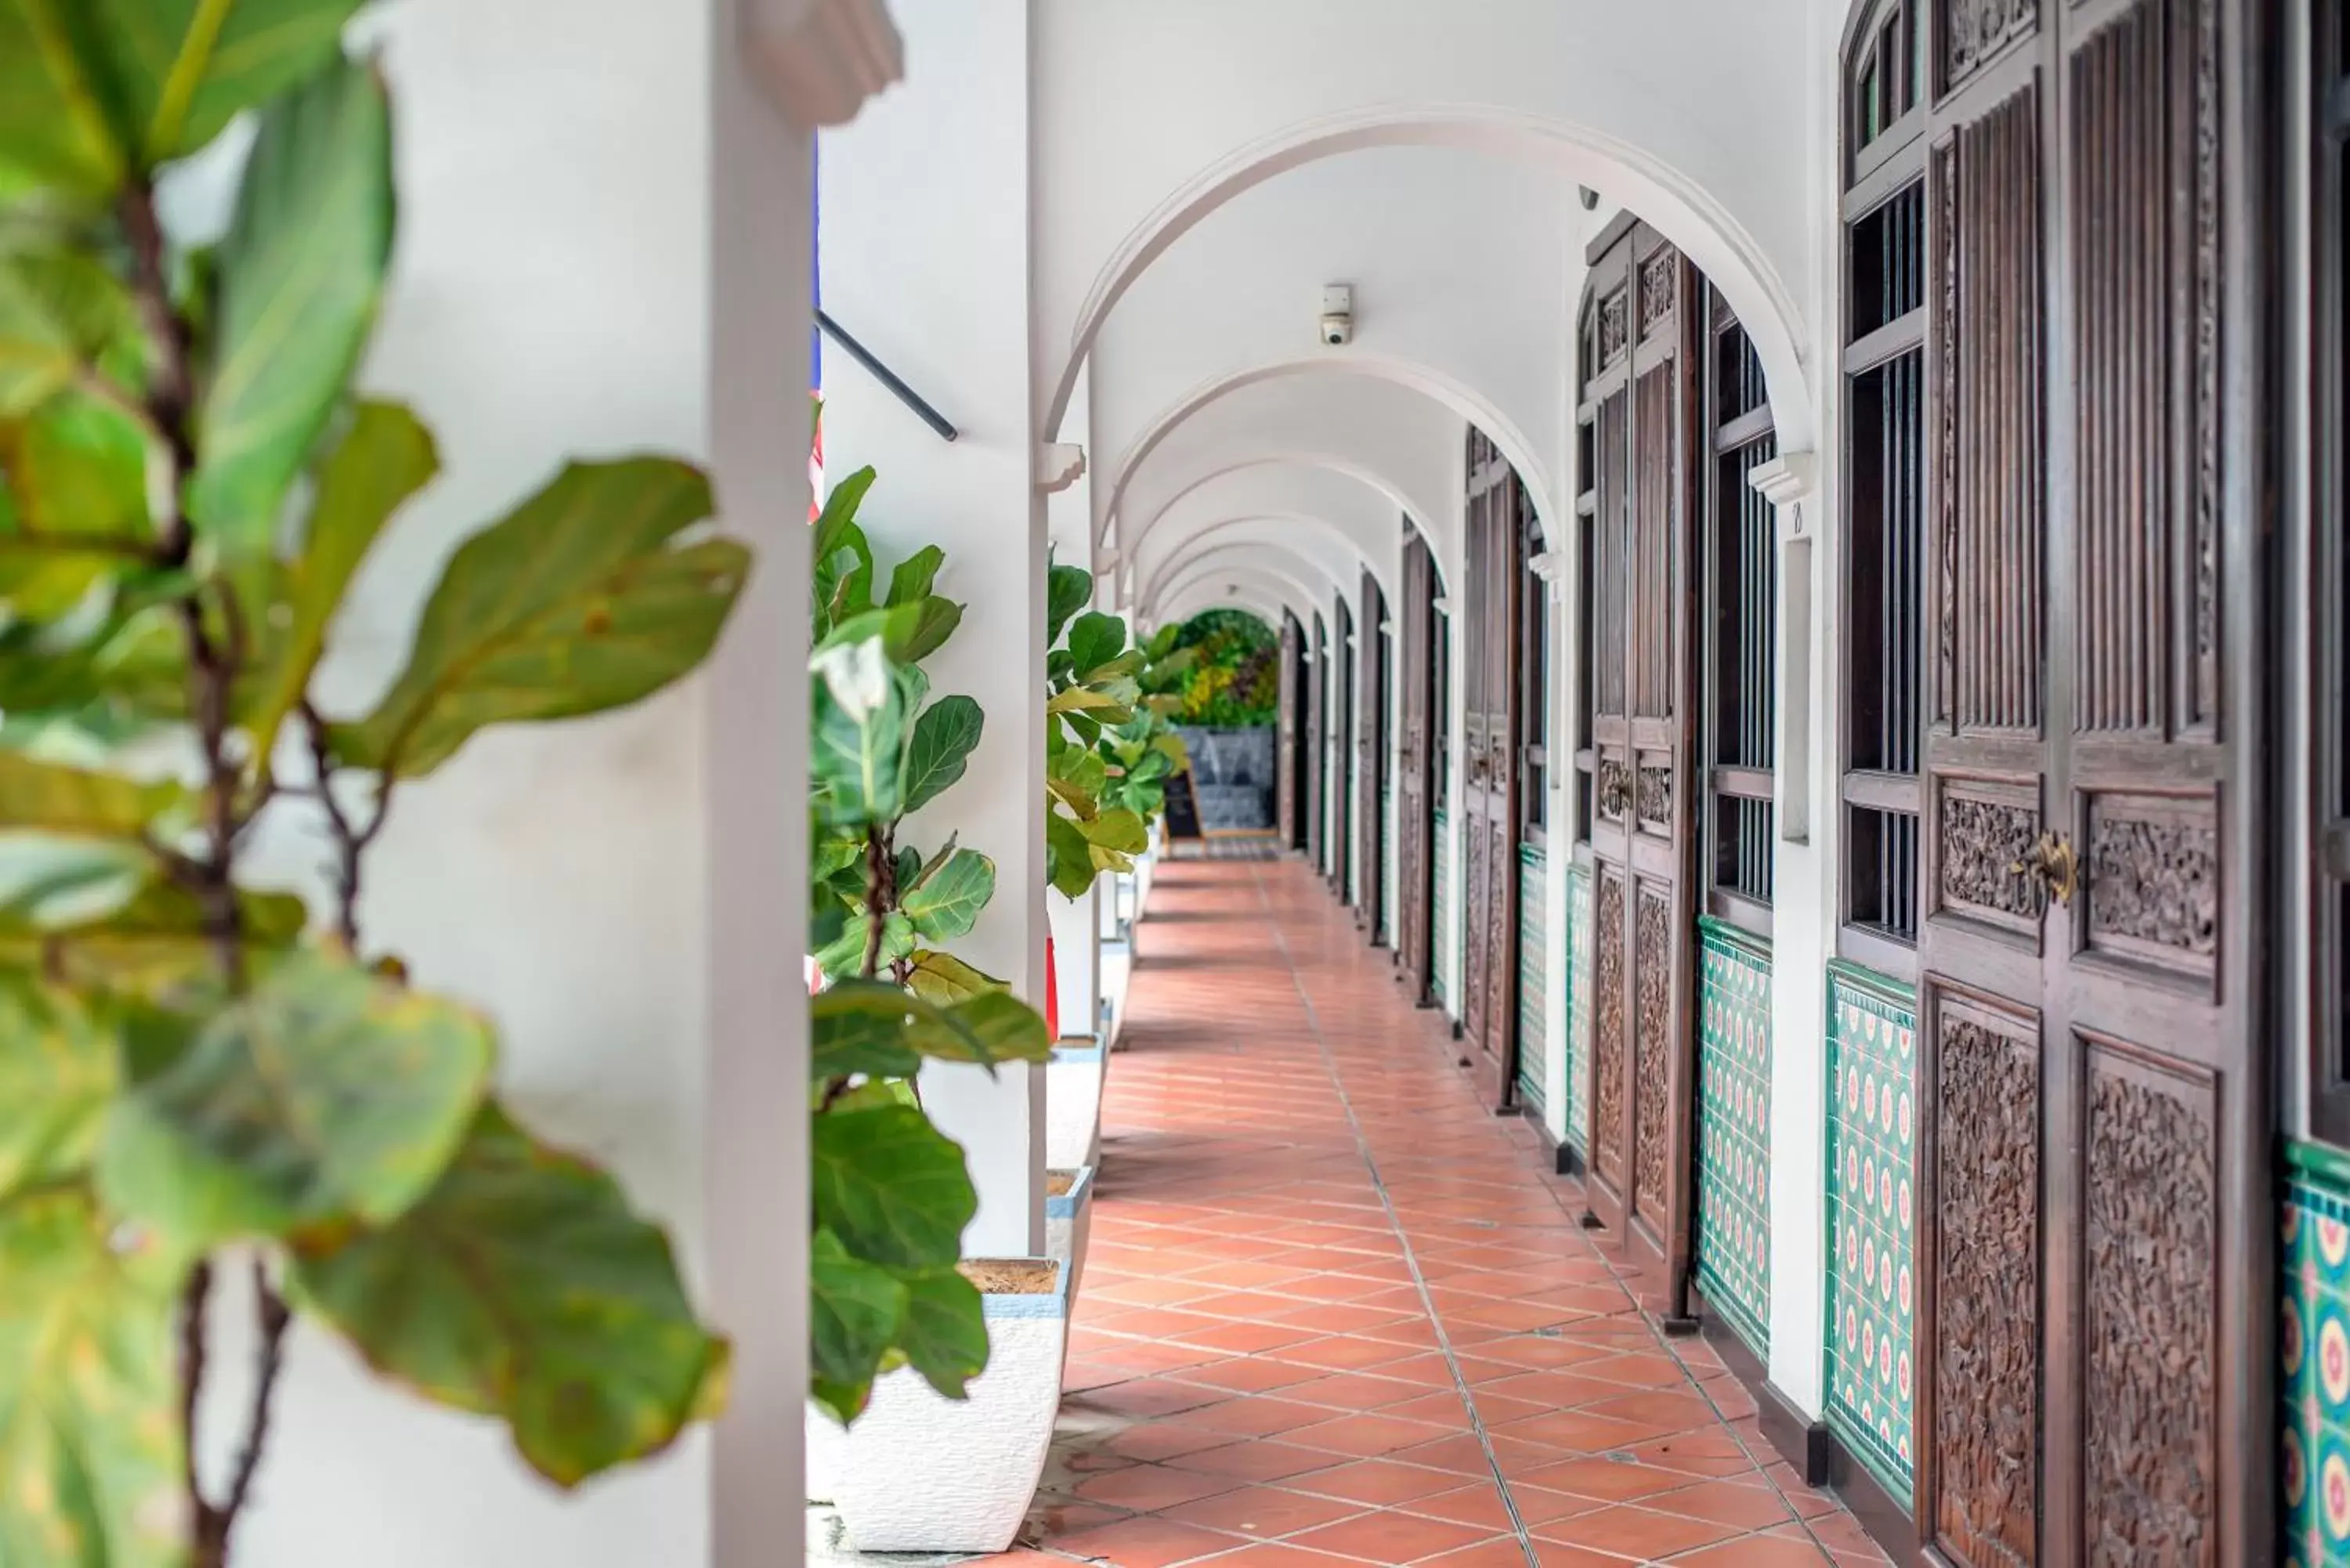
(1334, 1312)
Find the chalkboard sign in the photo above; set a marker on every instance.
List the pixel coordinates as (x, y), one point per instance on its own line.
(1182, 807)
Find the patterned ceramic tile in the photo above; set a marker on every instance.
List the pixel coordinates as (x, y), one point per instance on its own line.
(1534, 952)
(1578, 988)
(1734, 1188)
(2314, 1348)
(1439, 917)
(1871, 1146)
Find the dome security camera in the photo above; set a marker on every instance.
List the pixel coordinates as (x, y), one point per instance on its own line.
(1338, 315)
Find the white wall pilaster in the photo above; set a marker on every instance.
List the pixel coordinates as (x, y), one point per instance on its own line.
(925, 252)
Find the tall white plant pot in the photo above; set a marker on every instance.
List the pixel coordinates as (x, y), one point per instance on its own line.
(1073, 1104)
(922, 1473)
(1069, 1225)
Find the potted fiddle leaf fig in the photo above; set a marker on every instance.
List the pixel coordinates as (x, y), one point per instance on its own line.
(199, 1073)
(976, 1344)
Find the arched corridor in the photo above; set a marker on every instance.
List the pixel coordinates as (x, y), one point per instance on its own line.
(1333, 1302)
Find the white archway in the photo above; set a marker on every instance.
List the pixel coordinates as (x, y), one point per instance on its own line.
(1261, 528)
(1678, 207)
(1404, 509)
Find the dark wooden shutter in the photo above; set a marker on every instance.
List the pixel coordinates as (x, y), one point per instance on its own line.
(1492, 566)
(1286, 769)
(1415, 779)
(1370, 754)
(2094, 1168)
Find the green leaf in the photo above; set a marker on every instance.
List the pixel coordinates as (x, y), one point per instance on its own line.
(985, 1028)
(1095, 639)
(857, 747)
(893, 1186)
(1104, 706)
(301, 270)
(80, 802)
(186, 67)
(933, 621)
(1068, 858)
(858, 1026)
(575, 604)
(944, 1334)
(844, 958)
(945, 735)
(59, 1071)
(59, 313)
(151, 946)
(1068, 590)
(834, 524)
(524, 1287)
(1119, 831)
(48, 882)
(73, 495)
(943, 979)
(947, 905)
(57, 139)
(385, 457)
(89, 1425)
(326, 1095)
(855, 1313)
(910, 583)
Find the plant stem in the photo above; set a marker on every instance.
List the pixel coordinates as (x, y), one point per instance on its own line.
(880, 890)
(214, 664)
(351, 841)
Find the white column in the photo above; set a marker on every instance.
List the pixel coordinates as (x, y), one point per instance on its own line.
(1803, 940)
(925, 254)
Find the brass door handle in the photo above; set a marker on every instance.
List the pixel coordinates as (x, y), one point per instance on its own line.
(2053, 861)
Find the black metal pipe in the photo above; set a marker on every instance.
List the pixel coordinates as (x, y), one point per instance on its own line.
(886, 376)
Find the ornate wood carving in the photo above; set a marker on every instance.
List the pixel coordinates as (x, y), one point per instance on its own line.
(1655, 790)
(1614, 787)
(1657, 289)
(1973, 30)
(1978, 843)
(1473, 959)
(2151, 1287)
(1652, 1035)
(1608, 1024)
(1946, 403)
(2203, 710)
(1501, 932)
(1992, 378)
(1986, 1404)
(2154, 876)
(1615, 328)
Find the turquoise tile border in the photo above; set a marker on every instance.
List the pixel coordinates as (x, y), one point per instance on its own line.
(1534, 969)
(1440, 916)
(2313, 1351)
(1871, 1150)
(1578, 1009)
(1733, 1185)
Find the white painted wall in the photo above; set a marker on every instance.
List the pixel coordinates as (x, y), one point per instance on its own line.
(925, 258)
(585, 189)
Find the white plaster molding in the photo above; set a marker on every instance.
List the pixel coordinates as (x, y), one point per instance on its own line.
(1786, 481)
(1550, 566)
(1059, 464)
(819, 60)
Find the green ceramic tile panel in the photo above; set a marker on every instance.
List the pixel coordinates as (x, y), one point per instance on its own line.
(1579, 992)
(1440, 920)
(1871, 1148)
(2313, 1349)
(1733, 1075)
(1533, 954)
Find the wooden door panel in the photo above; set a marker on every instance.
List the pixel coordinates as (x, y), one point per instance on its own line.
(1608, 1129)
(2089, 1052)
(1978, 1408)
(1651, 1052)
(1414, 797)
(1285, 761)
(1370, 754)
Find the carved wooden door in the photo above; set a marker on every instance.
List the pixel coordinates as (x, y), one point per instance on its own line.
(1371, 756)
(1489, 971)
(1285, 768)
(1415, 768)
(1348, 659)
(1638, 407)
(1317, 749)
(2093, 1187)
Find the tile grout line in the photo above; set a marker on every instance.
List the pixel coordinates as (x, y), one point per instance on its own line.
(1395, 1223)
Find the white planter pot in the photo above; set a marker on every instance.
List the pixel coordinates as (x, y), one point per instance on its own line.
(922, 1473)
(1072, 1098)
(1068, 1222)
